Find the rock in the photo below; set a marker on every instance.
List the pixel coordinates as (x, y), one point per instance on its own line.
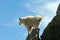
(58, 11)
(52, 31)
(34, 35)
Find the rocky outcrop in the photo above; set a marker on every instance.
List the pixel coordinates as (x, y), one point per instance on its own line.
(52, 31)
(34, 35)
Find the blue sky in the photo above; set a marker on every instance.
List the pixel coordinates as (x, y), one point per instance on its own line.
(11, 10)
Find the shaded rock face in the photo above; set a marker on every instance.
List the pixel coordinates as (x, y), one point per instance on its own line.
(34, 35)
(52, 31)
(58, 11)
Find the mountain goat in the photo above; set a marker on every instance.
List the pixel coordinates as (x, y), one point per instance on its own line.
(30, 22)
